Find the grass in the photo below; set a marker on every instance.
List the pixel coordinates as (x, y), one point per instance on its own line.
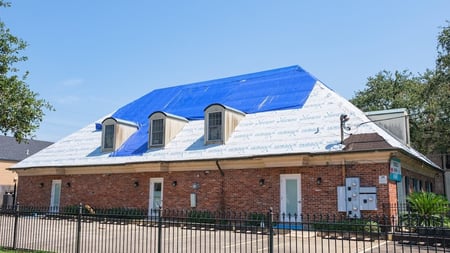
(3, 250)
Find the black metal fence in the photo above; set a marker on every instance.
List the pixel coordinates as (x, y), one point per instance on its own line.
(85, 229)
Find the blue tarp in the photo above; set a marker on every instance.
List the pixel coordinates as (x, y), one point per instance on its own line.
(278, 89)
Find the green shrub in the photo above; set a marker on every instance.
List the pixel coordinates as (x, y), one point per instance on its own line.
(353, 225)
(372, 227)
(255, 219)
(427, 209)
(195, 216)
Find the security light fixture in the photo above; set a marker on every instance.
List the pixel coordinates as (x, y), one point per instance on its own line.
(262, 182)
(136, 183)
(319, 181)
(174, 183)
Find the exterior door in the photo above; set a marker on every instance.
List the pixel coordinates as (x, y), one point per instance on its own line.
(156, 195)
(290, 196)
(55, 196)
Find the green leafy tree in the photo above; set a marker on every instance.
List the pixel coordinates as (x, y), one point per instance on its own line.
(438, 94)
(425, 96)
(21, 109)
(387, 90)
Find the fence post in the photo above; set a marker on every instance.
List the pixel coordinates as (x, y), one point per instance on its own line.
(78, 239)
(269, 224)
(16, 225)
(159, 230)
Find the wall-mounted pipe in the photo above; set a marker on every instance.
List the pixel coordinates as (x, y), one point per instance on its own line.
(220, 169)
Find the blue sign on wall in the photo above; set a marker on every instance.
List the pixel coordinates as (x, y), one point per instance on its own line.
(395, 170)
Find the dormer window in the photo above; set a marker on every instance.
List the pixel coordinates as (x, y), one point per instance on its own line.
(215, 126)
(115, 132)
(157, 130)
(163, 127)
(220, 122)
(108, 137)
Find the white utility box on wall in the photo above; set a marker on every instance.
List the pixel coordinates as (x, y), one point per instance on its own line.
(352, 198)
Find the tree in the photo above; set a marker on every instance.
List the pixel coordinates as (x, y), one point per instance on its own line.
(439, 93)
(425, 96)
(387, 90)
(21, 109)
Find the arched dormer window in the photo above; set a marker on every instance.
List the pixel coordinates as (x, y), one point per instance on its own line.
(220, 122)
(115, 132)
(163, 127)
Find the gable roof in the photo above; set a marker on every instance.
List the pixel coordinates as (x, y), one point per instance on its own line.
(11, 150)
(288, 111)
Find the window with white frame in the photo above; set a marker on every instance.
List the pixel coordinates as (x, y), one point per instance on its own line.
(115, 132)
(163, 127)
(157, 132)
(215, 126)
(220, 123)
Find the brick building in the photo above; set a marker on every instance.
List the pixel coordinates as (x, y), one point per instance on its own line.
(274, 139)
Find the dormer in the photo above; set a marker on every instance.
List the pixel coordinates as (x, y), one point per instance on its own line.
(115, 132)
(163, 127)
(220, 122)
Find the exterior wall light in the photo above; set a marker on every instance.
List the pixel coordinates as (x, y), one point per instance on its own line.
(319, 181)
(174, 183)
(195, 186)
(41, 185)
(68, 184)
(136, 183)
(262, 182)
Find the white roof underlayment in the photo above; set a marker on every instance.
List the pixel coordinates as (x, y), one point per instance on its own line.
(315, 128)
(312, 128)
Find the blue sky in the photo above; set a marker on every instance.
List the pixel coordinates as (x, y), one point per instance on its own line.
(88, 58)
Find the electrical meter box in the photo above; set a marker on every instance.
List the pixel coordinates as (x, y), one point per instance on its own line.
(352, 198)
(352, 194)
(368, 198)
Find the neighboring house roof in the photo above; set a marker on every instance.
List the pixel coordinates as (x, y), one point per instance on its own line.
(288, 111)
(11, 150)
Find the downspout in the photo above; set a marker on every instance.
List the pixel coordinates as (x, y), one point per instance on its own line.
(444, 169)
(220, 169)
(222, 188)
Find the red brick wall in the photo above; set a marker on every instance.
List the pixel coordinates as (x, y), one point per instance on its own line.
(237, 190)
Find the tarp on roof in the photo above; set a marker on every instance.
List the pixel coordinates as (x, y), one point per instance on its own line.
(284, 88)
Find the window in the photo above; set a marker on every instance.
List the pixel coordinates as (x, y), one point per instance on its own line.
(157, 132)
(215, 126)
(115, 132)
(109, 137)
(428, 186)
(163, 127)
(407, 186)
(416, 186)
(220, 123)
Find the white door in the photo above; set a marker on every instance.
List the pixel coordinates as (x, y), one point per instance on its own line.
(290, 196)
(55, 196)
(156, 195)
